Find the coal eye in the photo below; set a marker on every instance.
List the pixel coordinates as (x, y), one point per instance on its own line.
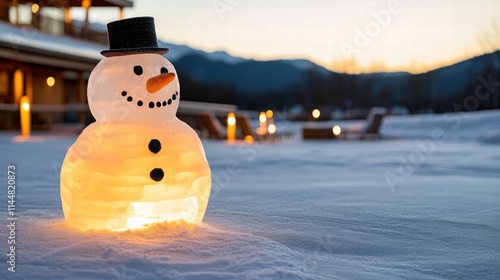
(164, 70)
(138, 70)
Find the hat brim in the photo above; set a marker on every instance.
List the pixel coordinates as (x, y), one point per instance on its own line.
(120, 52)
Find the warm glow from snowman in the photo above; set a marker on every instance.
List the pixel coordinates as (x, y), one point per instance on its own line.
(138, 164)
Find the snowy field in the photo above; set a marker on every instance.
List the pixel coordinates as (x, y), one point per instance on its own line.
(422, 204)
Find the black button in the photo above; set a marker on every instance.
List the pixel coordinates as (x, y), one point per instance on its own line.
(154, 146)
(157, 174)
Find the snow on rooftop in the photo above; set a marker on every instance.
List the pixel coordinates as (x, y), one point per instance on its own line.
(25, 36)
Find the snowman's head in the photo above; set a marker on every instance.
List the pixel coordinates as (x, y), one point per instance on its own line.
(139, 88)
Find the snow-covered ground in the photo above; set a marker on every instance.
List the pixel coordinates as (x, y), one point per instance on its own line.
(422, 204)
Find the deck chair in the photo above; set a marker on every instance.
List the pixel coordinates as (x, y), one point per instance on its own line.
(244, 123)
(371, 128)
(211, 124)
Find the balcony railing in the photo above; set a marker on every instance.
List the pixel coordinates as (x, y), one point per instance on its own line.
(74, 29)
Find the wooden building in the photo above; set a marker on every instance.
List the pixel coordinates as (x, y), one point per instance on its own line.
(48, 56)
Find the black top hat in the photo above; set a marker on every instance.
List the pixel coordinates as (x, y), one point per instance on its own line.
(132, 36)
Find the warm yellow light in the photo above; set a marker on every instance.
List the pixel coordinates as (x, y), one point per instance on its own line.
(231, 120)
(231, 126)
(262, 117)
(35, 8)
(139, 167)
(271, 128)
(269, 114)
(316, 113)
(18, 85)
(248, 139)
(104, 187)
(336, 130)
(51, 81)
(25, 116)
(144, 213)
(25, 106)
(86, 3)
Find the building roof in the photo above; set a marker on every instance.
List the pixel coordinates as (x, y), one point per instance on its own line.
(28, 45)
(78, 3)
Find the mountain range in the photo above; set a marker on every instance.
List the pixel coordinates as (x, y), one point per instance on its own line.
(254, 84)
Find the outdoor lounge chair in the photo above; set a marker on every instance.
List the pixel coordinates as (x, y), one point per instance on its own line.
(208, 122)
(211, 124)
(370, 130)
(244, 123)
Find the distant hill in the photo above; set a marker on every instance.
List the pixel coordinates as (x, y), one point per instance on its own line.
(246, 75)
(253, 84)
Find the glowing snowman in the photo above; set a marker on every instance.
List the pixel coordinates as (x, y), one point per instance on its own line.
(137, 164)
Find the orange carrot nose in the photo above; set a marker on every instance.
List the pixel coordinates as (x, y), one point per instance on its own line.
(156, 83)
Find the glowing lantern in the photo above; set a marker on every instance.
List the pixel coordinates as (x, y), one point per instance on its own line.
(271, 128)
(248, 139)
(316, 113)
(231, 127)
(269, 114)
(25, 116)
(262, 118)
(51, 81)
(137, 164)
(18, 85)
(262, 124)
(336, 130)
(35, 8)
(86, 3)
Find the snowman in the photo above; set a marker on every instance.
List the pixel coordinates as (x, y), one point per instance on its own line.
(138, 164)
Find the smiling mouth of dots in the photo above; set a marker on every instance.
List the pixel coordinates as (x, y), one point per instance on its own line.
(138, 71)
(151, 104)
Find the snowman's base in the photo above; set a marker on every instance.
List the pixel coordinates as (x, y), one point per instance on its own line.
(141, 215)
(146, 213)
